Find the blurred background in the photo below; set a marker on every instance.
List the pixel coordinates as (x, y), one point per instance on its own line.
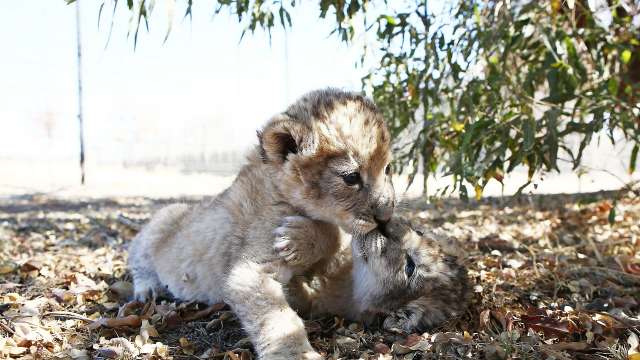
(175, 117)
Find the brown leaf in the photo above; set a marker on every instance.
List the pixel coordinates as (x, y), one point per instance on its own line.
(121, 290)
(494, 352)
(494, 242)
(7, 266)
(573, 346)
(485, 319)
(31, 265)
(204, 312)
(129, 308)
(381, 348)
(187, 347)
(133, 321)
(554, 354)
(550, 326)
(109, 353)
(411, 340)
(171, 320)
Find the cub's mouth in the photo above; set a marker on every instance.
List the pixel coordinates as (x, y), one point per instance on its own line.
(370, 244)
(362, 226)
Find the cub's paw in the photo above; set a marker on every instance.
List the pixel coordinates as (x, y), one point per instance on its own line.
(148, 289)
(399, 321)
(403, 320)
(145, 293)
(409, 320)
(294, 241)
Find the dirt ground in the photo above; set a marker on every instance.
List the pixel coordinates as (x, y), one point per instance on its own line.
(554, 277)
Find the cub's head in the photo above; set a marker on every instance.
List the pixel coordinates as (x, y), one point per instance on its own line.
(330, 154)
(408, 275)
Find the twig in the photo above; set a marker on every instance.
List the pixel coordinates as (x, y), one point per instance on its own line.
(595, 249)
(67, 314)
(204, 312)
(126, 222)
(619, 315)
(618, 276)
(534, 261)
(6, 328)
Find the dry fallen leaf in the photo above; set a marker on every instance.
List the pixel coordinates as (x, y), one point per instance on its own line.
(187, 347)
(7, 266)
(133, 321)
(121, 290)
(381, 348)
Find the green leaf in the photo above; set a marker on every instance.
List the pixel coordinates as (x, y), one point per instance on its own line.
(612, 214)
(634, 158)
(391, 20)
(626, 56)
(529, 134)
(612, 86)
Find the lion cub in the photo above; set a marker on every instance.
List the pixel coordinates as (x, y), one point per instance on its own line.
(412, 276)
(320, 165)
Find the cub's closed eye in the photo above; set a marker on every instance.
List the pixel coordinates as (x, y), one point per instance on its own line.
(352, 178)
(420, 233)
(409, 267)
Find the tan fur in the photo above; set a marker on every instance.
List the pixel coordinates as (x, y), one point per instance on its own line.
(371, 277)
(294, 182)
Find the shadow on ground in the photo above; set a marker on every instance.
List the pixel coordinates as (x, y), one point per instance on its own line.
(554, 276)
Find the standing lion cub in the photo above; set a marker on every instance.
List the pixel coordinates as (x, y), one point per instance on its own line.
(320, 165)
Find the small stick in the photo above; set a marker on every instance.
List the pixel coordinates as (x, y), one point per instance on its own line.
(595, 249)
(6, 328)
(126, 222)
(70, 315)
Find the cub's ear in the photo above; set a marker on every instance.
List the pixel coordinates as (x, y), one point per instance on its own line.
(283, 136)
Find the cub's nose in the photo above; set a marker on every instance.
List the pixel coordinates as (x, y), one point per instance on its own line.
(383, 215)
(382, 222)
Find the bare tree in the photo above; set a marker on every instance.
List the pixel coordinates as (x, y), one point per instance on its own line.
(80, 120)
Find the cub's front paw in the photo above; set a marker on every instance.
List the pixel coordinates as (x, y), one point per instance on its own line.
(294, 241)
(399, 321)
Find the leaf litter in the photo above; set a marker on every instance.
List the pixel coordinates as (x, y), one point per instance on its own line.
(553, 278)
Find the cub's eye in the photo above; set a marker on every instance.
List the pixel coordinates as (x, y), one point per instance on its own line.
(352, 179)
(420, 233)
(387, 170)
(409, 267)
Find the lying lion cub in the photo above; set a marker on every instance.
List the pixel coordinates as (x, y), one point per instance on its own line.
(412, 276)
(320, 165)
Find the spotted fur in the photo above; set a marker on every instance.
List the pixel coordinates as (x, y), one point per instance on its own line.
(371, 278)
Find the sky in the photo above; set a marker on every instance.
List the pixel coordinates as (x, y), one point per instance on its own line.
(203, 90)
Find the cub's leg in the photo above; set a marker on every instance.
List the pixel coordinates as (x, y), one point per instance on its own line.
(301, 241)
(163, 224)
(274, 328)
(446, 300)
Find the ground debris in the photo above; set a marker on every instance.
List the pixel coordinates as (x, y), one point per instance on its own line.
(552, 278)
